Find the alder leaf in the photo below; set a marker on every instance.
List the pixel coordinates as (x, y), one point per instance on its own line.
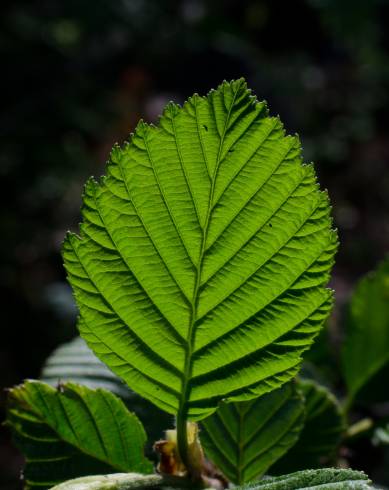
(118, 481)
(73, 431)
(322, 433)
(365, 351)
(244, 439)
(203, 255)
(323, 479)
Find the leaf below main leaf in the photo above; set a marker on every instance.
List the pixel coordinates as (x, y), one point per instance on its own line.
(321, 479)
(201, 265)
(74, 361)
(245, 438)
(73, 431)
(321, 435)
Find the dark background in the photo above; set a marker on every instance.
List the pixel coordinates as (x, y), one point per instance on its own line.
(76, 76)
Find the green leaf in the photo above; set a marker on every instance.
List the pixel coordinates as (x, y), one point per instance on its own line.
(74, 361)
(244, 439)
(366, 348)
(118, 481)
(323, 479)
(73, 431)
(203, 255)
(321, 435)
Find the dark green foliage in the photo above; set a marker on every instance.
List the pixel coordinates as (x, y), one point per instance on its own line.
(244, 439)
(365, 353)
(73, 431)
(297, 427)
(74, 361)
(322, 433)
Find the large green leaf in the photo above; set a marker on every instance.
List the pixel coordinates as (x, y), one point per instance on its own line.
(323, 479)
(73, 431)
(203, 255)
(321, 435)
(366, 348)
(244, 439)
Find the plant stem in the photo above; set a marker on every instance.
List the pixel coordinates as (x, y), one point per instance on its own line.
(189, 449)
(182, 437)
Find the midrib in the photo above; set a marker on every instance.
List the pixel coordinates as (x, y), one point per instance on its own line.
(185, 392)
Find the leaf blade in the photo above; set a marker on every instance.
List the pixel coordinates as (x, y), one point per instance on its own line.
(325, 479)
(244, 439)
(321, 435)
(203, 255)
(73, 431)
(366, 348)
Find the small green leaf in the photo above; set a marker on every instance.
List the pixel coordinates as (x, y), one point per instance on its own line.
(203, 255)
(366, 348)
(244, 439)
(118, 481)
(73, 431)
(323, 479)
(321, 435)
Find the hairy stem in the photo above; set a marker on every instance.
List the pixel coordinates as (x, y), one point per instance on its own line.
(124, 481)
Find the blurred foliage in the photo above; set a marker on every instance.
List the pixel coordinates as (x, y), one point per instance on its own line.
(76, 77)
(365, 353)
